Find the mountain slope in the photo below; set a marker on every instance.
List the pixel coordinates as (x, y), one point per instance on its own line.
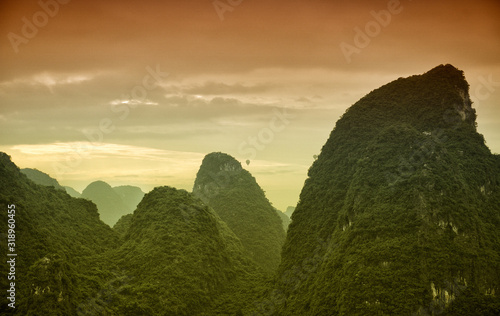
(123, 224)
(236, 197)
(72, 192)
(400, 213)
(110, 205)
(285, 220)
(42, 178)
(180, 257)
(130, 195)
(58, 241)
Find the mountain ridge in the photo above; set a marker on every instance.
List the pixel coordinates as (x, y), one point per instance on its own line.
(403, 182)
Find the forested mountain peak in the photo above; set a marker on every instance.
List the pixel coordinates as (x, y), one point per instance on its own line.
(183, 257)
(236, 197)
(97, 185)
(218, 161)
(110, 205)
(401, 211)
(219, 171)
(130, 195)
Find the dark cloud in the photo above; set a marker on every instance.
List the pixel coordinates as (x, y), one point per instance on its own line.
(188, 37)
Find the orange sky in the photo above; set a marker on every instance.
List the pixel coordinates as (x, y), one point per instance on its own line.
(226, 78)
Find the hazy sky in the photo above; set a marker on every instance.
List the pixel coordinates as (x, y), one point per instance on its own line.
(137, 92)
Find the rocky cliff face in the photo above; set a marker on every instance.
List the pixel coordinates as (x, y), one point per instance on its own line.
(400, 213)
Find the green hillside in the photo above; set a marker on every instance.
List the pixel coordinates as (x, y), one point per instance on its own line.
(400, 214)
(181, 259)
(59, 243)
(285, 220)
(239, 201)
(130, 195)
(42, 178)
(110, 205)
(72, 192)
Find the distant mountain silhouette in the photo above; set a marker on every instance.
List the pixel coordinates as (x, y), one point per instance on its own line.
(236, 197)
(110, 205)
(42, 178)
(72, 192)
(111, 202)
(289, 211)
(130, 195)
(284, 219)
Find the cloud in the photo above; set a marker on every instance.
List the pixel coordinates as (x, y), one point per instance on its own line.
(76, 160)
(48, 79)
(267, 167)
(220, 88)
(60, 151)
(132, 102)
